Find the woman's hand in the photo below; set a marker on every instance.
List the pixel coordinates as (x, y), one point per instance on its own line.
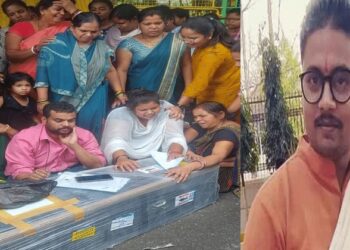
(119, 100)
(192, 156)
(44, 41)
(125, 164)
(175, 112)
(180, 174)
(40, 107)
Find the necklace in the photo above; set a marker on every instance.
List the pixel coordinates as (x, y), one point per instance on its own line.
(153, 41)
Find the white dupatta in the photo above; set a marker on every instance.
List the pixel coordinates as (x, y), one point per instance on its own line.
(123, 131)
(341, 236)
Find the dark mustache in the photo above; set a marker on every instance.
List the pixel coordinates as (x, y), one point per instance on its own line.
(328, 120)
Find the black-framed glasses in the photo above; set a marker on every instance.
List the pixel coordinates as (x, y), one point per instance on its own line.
(313, 82)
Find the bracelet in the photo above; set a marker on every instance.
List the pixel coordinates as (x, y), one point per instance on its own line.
(203, 163)
(116, 158)
(118, 93)
(34, 50)
(42, 101)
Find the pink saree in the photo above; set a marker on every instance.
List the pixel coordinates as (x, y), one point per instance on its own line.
(29, 65)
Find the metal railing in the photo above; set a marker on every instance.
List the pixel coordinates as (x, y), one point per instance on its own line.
(295, 116)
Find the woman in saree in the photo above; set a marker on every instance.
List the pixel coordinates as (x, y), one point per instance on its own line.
(216, 76)
(16, 11)
(213, 140)
(76, 68)
(25, 39)
(153, 59)
(143, 126)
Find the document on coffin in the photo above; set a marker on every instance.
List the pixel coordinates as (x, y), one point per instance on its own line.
(67, 179)
(28, 207)
(161, 159)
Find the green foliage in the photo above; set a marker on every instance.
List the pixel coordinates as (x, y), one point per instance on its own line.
(290, 82)
(278, 141)
(290, 68)
(249, 152)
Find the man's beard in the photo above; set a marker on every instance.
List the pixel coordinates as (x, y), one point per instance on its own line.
(65, 131)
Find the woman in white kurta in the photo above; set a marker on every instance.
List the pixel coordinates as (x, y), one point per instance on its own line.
(133, 132)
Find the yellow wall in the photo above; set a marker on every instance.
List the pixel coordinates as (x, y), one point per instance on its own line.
(81, 4)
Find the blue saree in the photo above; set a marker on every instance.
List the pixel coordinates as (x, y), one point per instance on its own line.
(76, 75)
(155, 69)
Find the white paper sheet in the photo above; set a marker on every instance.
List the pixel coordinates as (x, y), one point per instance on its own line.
(67, 179)
(150, 169)
(29, 207)
(161, 158)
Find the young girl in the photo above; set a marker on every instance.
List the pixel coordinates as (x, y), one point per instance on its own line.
(17, 108)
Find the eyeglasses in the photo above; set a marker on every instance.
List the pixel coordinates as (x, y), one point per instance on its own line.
(313, 82)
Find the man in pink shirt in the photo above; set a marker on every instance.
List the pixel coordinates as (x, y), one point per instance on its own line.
(298, 207)
(52, 146)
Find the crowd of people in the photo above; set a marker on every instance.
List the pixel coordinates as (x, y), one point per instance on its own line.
(112, 84)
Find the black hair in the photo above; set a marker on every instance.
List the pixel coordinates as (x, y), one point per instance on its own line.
(236, 11)
(8, 3)
(125, 11)
(43, 5)
(61, 107)
(181, 13)
(33, 10)
(150, 12)
(141, 96)
(209, 27)
(85, 17)
(212, 107)
(167, 13)
(212, 15)
(106, 2)
(12, 78)
(322, 13)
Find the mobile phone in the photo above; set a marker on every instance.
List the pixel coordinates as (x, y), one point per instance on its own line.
(90, 178)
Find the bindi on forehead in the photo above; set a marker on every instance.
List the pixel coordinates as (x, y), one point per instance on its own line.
(325, 50)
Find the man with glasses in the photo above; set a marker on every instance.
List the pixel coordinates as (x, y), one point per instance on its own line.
(302, 205)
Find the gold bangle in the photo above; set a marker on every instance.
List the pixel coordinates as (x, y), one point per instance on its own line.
(118, 93)
(202, 162)
(42, 101)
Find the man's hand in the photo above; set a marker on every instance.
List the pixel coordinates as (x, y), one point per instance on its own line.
(38, 174)
(70, 139)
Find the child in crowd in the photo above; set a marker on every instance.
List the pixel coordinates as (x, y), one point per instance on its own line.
(17, 108)
(233, 23)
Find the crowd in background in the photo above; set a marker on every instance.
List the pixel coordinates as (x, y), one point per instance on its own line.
(54, 52)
